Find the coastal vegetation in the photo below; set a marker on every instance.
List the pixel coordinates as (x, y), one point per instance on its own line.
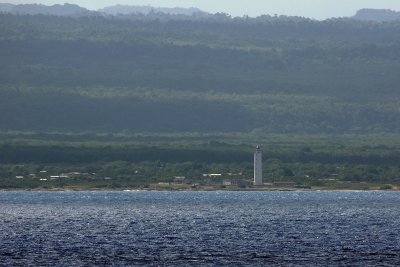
(127, 160)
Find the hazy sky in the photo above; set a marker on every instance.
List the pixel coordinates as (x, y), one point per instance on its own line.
(318, 9)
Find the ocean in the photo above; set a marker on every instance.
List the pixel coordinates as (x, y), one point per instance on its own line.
(142, 228)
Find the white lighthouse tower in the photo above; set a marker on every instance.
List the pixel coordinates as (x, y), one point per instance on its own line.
(258, 167)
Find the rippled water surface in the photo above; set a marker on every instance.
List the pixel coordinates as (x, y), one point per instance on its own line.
(200, 228)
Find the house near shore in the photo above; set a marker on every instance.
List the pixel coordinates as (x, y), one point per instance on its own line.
(236, 182)
(181, 180)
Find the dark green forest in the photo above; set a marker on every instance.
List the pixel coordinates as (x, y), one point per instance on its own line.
(166, 73)
(131, 100)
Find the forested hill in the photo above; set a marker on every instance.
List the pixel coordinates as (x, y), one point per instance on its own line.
(33, 9)
(161, 72)
(127, 9)
(377, 15)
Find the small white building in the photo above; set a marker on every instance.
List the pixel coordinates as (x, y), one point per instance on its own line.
(212, 175)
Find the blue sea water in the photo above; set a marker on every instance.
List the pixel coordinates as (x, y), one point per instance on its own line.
(199, 228)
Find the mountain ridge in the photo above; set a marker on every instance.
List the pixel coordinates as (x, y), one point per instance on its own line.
(72, 9)
(382, 15)
(365, 14)
(35, 9)
(131, 9)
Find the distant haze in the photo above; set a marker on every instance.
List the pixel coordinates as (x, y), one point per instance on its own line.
(318, 9)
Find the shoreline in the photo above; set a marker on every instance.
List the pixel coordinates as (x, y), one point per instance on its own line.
(194, 190)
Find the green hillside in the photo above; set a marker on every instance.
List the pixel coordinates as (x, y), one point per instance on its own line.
(172, 73)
